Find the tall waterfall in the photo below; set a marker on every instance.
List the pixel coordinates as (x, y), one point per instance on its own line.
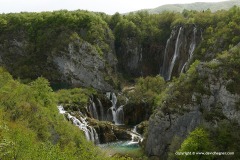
(82, 124)
(193, 43)
(115, 114)
(176, 53)
(191, 48)
(164, 69)
(102, 118)
(92, 108)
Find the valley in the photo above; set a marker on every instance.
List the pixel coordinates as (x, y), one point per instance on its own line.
(91, 86)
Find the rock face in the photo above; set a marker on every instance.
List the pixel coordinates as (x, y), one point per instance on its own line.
(136, 113)
(107, 132)
(82, 65)
(219, 99)
(130, 57)
(215, 105)
(72, 59)
(137, 59)
(69, 59)
(179, 50)
(163, 128)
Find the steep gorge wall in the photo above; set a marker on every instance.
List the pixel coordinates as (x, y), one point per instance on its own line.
(170, 59)
(63, 54)
(85, 52)
(208, 108)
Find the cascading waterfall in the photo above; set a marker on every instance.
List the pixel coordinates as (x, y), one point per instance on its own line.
(92, 109)
(115, 114)
(175, 56)
(102, 118)
(120, 115)
(136, 137)
(90, 132)
(193, 44)
(164, 68)
(191, 48)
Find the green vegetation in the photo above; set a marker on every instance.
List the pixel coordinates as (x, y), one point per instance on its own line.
(146, 89)
(210, 139)
(32, 128)
(74, 99)
(198, 141)
(41, 36)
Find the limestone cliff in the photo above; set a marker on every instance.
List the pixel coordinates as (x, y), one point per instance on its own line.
(209, 102)
(69, 59)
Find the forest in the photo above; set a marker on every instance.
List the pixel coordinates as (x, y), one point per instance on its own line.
(177, 72)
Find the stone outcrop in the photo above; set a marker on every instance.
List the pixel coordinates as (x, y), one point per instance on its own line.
(69, 60)
(108, 132)
(136, 113)
(130, 57)
(215, 105)
(82, 65)
(163, 128)
(179, 50)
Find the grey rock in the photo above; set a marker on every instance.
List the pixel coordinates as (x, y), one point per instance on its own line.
(82, 65)
(163, 129)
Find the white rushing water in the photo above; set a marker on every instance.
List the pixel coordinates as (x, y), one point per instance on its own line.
(136, 137)
(82, 124)
(115, 114)
(92, 109)
(164, 68)
(193, 43)
(102, 116)
(176, 54)
(191, 49)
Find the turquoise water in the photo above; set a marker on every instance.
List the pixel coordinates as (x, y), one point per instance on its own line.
(121, 147)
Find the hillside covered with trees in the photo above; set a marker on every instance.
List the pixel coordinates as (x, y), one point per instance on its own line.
(174, 76)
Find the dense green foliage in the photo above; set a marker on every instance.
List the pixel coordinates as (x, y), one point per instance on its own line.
(198, 141)
(74, 99)
(224, 138)
(146, 89)
(47, 34)
(32, 128)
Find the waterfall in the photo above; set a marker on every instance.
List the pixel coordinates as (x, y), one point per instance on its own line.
(164, 68)
(114, 100)
(82, 124)
(176, 53)
(193, 43)
(120, 115)
(92, 109)
(183, 67)
(115, 114)
(101, 110)
(136, 137)
(191, 48)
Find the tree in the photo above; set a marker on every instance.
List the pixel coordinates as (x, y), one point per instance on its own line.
(43, 93)
(197, 142)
